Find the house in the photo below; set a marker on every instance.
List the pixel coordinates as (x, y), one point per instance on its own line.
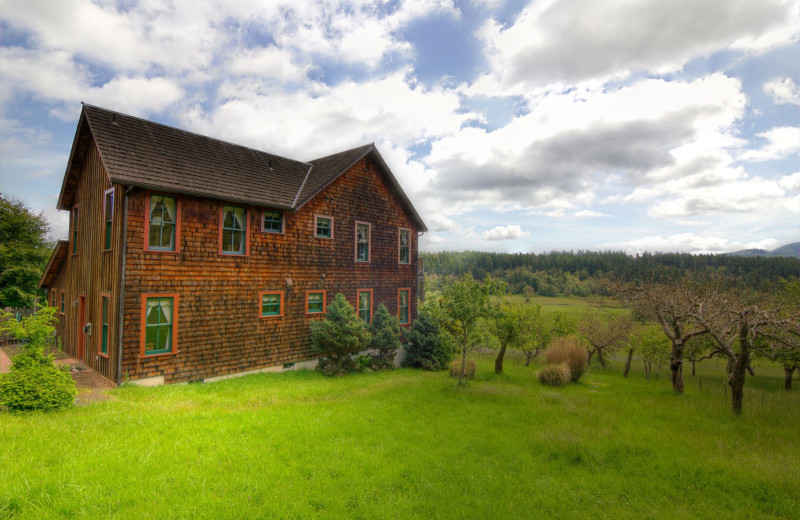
(190, 258)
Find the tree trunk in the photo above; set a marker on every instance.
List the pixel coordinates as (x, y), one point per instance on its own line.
(750, 370)
(528, 357)
(498, 362)
(646, 370)
(676, 366)
(589, 359)
(628, 363)
(694, 362)
(601, 358)
(789, 373)
(738, 370)
(463, 365)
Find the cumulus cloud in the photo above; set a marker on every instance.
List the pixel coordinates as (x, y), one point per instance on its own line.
(589, 213)
(509, 232)
(783, 90)
(689, 242)
(782, 142)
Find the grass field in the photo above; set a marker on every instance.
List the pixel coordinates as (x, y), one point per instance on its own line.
(568, 304)
(410, 444)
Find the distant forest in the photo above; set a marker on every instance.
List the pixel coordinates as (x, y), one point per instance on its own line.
(583, 273)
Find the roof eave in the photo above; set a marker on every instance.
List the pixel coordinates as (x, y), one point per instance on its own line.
(53, 263)
(63, 204)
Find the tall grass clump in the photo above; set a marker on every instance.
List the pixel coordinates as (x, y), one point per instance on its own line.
(455, 369)
(569, 351)
(554, 374)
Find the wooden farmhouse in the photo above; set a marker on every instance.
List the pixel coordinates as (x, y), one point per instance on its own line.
(190, 258)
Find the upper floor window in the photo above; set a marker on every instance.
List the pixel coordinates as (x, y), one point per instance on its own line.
(75, 230)
(108, 210)
(402, 305)
(159, 323)
(364, 298)
(363, 232)
(162, 227)
(233, 231)
(405, 246)
(273, 222)
(323, 226)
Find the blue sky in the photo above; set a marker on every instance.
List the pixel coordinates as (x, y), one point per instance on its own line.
(513, 126)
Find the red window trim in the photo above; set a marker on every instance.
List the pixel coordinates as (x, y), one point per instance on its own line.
(64, 298)
(261, 226)
(105, 201)
(74, 244)
(142, 329)
(246, 233)
(324, 301)
(409, 305)
(371, 302)
(319, 215)
(369, 242)
(399, 233)
(147, 224)
(283, 304)
(106, 294)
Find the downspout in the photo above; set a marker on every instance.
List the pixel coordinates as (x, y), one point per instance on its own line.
(118, 377)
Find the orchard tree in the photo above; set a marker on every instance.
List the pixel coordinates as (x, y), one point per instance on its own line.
(514, 326)
(24, 250)
(465, 304)
(605, 333)
(652, 347)
(541, 329)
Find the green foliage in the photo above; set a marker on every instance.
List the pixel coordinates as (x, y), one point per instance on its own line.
(336, 338)
(24, 250)
(36, 386)
(35, 330)
(554, 375)
(428, 347)
(570, 352)
(467, 371)
(385, 330)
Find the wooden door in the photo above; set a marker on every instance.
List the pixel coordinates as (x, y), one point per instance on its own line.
(81, 325)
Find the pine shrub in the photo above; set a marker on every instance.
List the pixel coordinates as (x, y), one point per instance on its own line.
(428, 347)
(554, 375)
(455, 369)
(569, 351)
(36, 386)
(385, 330)
(338, 337)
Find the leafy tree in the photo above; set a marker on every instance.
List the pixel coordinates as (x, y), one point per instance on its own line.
(465, 304)
(336, 338)
(24, 250)
(651, 345)
(385, 330)
(545, 327)
(429, 347)
(604, 333)
(514, 325)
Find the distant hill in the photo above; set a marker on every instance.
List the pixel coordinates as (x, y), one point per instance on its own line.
(792, 249)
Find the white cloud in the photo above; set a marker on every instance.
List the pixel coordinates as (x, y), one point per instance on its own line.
(509, 232)
(782, 142)
(589, 213)
(689, 242)
(783, 90)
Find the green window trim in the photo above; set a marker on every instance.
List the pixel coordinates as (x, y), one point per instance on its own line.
(405, 246)
(233, 230)
(162, 222)
(104, 339)
(365, 305)
(109, 217)
(315, 302)
(271, 304)
(362, 241)
(402, 305)
(323, 227)
(159, 318)
(272, 222)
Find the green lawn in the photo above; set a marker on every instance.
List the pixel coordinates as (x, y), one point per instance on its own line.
(410, 444)
(568, 304)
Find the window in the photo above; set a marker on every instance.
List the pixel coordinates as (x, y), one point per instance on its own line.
(271, 304)
(402, 305)
(105, 299)
(405, 246)
(362, 241)
(108, 211)
(53, 298)
(163, 230)
(159, 324)
(233, 231)
(323, 226)
(75, 230)
(315, 302)
(273, 222)
(365, 305)
(63, 308)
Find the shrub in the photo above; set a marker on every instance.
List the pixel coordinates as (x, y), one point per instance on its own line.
(455, 369)
(567, 350)
(336, 338)
(554, 375)
(385, 330)
(35, 386)
(428, 348)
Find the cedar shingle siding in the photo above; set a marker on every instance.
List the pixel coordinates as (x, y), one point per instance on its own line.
(219, 329)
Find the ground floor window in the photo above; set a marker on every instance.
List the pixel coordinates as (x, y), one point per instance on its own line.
(159, 324)
(315, 302)
(106, 308)
(365, 305)
(270, 304)
(402, 305)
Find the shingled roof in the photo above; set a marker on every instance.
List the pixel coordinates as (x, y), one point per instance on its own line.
(141, 153)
